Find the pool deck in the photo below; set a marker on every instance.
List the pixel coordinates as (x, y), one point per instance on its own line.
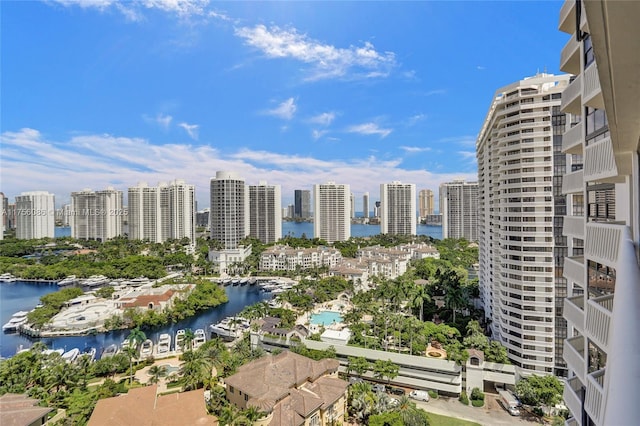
(335, 306)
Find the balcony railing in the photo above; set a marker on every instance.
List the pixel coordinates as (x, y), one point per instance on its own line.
(572, 396)
(572, 140)
(567, 22)
(570, 57)
(600, 161)
(602, 242)
(598, 319)
(571, 97)
(573, 182)
(573, 354)
(574, 270)
(594, 396)
(592, 95)
(573, 226)
(574, 311)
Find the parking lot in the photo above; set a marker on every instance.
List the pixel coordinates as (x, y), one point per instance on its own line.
(489, 415)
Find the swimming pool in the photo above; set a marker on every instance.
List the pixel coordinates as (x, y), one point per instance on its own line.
(326, 318)
(170, 368)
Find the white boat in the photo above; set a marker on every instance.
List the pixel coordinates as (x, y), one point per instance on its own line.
(199, 338)
(137, 282)
(89, 352)
(110, 350)
(53, 351)
(95, 281)
(71, 355)
(70, 280)
(15, 322)
(244, 281)
(164, 343)
(179, 340)
(229, 328)
(146, 349)
(7, 278)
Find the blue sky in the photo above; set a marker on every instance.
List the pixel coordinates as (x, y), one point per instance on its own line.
(101, 93)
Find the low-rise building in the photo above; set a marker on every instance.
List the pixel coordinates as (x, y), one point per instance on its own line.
(285, 258)
(225, 259)
(291, 389)
(20, 410)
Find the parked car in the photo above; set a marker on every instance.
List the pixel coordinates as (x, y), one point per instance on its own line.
(513, 411)
(420, 395)
(353, 380)
(378, 387)
(394, 391)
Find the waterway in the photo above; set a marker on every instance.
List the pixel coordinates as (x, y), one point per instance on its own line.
(24, 296)
(297, 229)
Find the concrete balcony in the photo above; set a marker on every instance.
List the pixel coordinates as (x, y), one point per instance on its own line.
(598, 320)
(573, 182)
(573, 354)
(573, 226)
(574, 312)
(600, 162)
(567, 21)
(571, 97)
(574, 270)
(570, 57)
(594, 396)
(572, 395)
(572, 140)
(592, 94)
(602, 242)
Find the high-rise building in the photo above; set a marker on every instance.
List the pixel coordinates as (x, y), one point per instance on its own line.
(425, 202)
(202, 218)
(331, 212)
(163, 212)
(520, 208)
(5, 212)
(95, 215)
(459, 209)
(398, 208)
(302, 203)
(229, 214)
(35, 215)
(602, 225)
(352, 202)
(376, 209)
(365, 204)
(290, 210)
(265, 212)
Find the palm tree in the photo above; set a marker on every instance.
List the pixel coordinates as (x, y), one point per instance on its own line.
(196, 370)
(136, 337)
(130, 351)
(187, 340)
(157, 372)
(420, 295)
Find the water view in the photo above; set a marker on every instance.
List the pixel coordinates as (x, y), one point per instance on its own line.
(23, 296)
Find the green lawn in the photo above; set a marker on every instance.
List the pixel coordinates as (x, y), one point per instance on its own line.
(438, 420)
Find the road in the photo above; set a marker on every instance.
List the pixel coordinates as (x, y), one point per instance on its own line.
(492, 414)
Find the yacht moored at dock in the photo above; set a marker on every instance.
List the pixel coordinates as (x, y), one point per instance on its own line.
(179, 343)
(109, 351)
(71, 355)
(70, 280)
(8, 278)
(146, 349)
(164, 344)
(199, 338)
(15, 322)
(89, 352)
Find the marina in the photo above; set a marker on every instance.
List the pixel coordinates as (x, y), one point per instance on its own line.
(25, 296)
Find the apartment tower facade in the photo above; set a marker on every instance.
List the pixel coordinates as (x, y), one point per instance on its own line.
(425, 203)
(265, 212)
(229, 215)
(332, 212)
(602, 224)
(302, 203)
(35, 215)
(95, 215)
(398, 208)
(459, 209)
(163, 212)
(520, 222)
(365, 205)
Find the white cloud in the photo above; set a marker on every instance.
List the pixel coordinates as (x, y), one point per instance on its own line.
(286, 110)
(317, 134)
(469, 157)
(415, 149)
(324, 119)
(191, 129)
(161, 120)
(133, 10)
(326, 61)
(413, 120)
(99, 160)
(369, 129)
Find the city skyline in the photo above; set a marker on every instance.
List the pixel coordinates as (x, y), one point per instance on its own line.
(279, 95)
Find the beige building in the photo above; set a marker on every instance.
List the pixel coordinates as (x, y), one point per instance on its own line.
(426, 203)
(292, 389)
(332, 212)
(602, 224)
(285, 258)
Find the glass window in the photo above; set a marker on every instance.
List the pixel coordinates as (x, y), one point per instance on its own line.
(588, 51)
